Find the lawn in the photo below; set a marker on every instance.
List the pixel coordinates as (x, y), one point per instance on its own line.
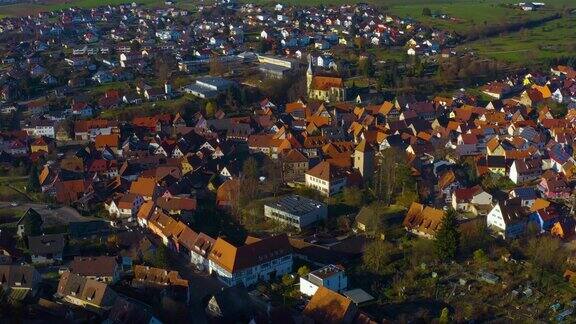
(147, 109)
(102, 88)
(553, 39)
(8, 193)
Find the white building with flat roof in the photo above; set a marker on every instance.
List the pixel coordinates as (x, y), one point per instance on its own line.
(208, 87)
(296, 211)
(331, 276)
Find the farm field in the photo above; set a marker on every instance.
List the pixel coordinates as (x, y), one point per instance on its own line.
(49, 5)
(553, 39)
(465, 15)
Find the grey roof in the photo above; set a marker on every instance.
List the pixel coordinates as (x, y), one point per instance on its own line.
(46, 244)
(296, 205)
(358, 296)
(275, 68)
(206, 92)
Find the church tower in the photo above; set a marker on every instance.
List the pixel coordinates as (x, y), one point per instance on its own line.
(309, 75)
(364, 159)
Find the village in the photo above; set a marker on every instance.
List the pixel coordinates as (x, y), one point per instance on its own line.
(245, 163)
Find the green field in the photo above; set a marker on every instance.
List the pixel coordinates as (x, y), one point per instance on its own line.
(11, 188)
(466, 15)
(551, 40)
(50, 5)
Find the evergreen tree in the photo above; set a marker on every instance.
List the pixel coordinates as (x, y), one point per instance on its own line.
(250, 168)
(33, 180)
(448, 238)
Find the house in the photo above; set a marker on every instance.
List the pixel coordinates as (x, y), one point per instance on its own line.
(294, 166)
(365, 220)
(31, 216)
(148, 188)
(545, 218)
(492, 163)
(331, 276)
(472, 200)
(423, 220)
(154, 94)
(553, 185)
(40, 127)
(564, 229)
(329, 307)
(182, 206)
(525, 170)
(70, 191)
(46, 248)
(127, 205)
(447, 183)
(100, 268)
(227, 194)
(231, 304)
(509, 218)
(257, 259)
(82, 109)
(22, 279)
(196, 247)
(111, 141)
(497, 90)
(527, 195)
(167, 228)
(88, 293)
(326, 178)
(296, 211)
(42, 144)
(157, 278)
(102, 77)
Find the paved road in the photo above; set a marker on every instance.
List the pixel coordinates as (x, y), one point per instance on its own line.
(58, 216)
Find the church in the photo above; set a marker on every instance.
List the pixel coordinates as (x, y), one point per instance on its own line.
(325, 88)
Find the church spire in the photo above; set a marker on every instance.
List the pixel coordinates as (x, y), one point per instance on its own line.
(309, 71)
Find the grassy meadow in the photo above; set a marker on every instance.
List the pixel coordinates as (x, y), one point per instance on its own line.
(551, 40)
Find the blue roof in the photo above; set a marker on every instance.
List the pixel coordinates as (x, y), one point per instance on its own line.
(558, 154)
(525, 193)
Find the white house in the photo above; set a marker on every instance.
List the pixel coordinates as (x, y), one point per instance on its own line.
(126, 206)
(509, 219)
(331, 276)
(525, 170)
(326, 179)
(201, 250)
(257, 259)
(40, 127)
(473, 200)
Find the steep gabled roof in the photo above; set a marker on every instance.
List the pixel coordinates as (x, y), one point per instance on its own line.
(234, 259)
(327, 306)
